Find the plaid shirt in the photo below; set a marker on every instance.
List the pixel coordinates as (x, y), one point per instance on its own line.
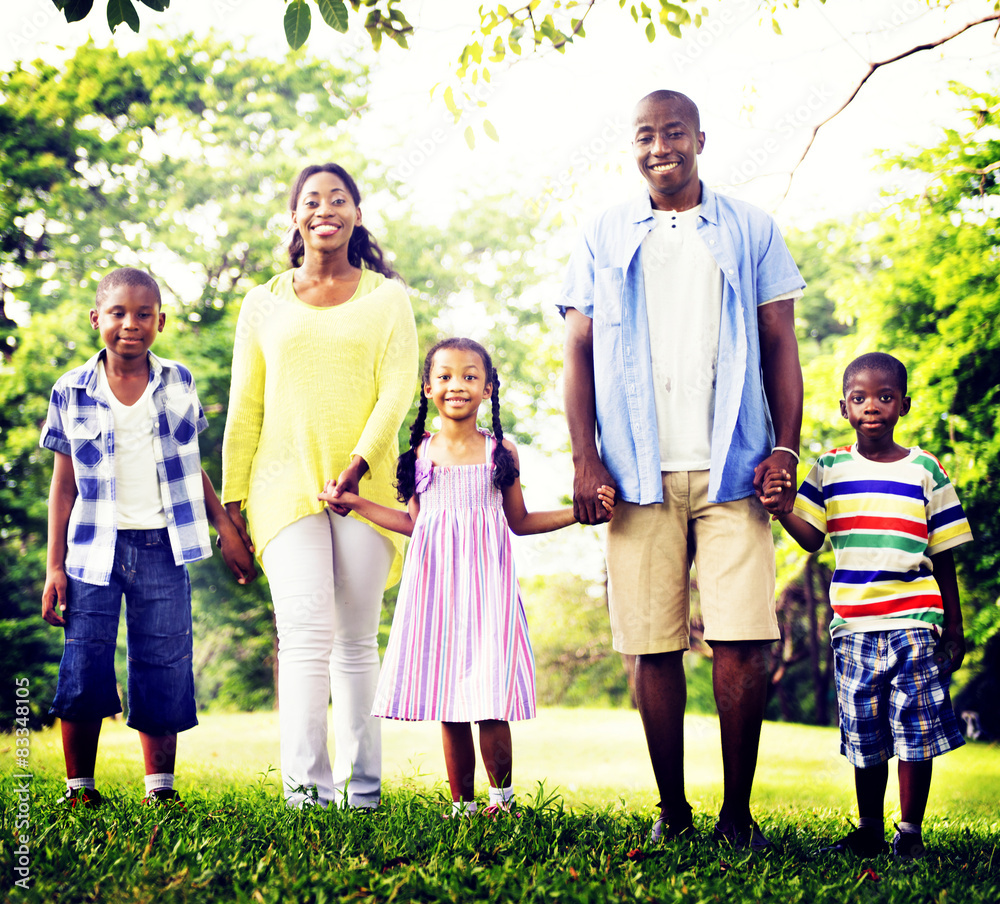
(80, 424)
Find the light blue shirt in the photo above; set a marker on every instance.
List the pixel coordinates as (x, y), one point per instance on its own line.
(604, 282)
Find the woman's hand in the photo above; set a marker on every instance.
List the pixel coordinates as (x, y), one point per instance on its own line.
(348, 482)
(236, 516)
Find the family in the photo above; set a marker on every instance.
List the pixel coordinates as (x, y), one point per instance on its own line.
(683, 396)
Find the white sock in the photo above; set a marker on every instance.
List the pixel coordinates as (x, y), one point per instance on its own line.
(871, 822)
(500, 796)
(156, 781)
(463, 808)
(908, 828)
(73, 784)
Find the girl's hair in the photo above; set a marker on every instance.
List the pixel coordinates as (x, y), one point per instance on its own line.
(362, 250)
(505, 472)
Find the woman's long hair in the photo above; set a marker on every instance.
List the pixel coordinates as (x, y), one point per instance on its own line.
(362, 250)
(504, 470)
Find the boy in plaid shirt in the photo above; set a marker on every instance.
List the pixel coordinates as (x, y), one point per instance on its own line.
(893, 519)
(129, 506)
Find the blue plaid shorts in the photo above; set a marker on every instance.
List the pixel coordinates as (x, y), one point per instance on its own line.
(893, 697)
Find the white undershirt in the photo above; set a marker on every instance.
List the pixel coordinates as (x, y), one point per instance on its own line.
(137, 485)
(683, 287)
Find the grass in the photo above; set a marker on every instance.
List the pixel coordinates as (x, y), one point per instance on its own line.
(585, 804)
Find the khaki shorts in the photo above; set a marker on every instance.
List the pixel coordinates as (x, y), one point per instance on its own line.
(650, 551)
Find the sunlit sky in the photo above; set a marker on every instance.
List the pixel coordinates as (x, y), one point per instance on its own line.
(563, 119)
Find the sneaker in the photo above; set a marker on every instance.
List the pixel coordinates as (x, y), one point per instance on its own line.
(861, 842)
(83, 797)
(908, 846)
(748, 838)
(663, 830)
(493, 811)
(165, 796)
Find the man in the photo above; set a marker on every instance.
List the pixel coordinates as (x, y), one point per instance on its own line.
(681, 355)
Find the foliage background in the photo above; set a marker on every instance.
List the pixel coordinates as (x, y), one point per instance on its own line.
(177, 157)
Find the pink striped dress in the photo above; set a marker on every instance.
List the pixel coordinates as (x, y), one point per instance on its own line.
(459, 649)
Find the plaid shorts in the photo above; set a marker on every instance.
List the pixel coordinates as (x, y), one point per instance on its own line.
(893, 697)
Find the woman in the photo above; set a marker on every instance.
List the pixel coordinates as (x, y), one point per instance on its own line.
(323, 369)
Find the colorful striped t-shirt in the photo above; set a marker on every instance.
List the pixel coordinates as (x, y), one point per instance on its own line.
(885, 520)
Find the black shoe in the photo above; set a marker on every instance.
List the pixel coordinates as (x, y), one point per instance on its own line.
(746, 838)
(908, 846)
(668, 827)
(861, 842)
(84, 797)
(669, 831)
(165, 796)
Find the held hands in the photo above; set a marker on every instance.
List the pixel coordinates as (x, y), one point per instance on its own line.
(777, 503)
(590, 478)
(236, 545)
(606, 496)
(776, 489)
(341, 502)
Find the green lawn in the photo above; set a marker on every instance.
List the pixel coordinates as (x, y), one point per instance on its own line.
(582, 837)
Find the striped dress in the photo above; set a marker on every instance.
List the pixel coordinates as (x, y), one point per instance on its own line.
(459, 649)
(885, 520)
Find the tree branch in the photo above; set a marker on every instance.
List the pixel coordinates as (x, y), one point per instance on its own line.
(872, 69)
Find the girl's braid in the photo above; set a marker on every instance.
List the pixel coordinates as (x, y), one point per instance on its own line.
(406, 467)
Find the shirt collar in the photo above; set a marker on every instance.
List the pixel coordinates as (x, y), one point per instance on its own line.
(641, 208)
(86, 376)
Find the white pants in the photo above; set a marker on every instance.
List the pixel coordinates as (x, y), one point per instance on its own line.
(327, 574)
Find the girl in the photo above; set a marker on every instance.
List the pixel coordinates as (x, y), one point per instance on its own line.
(459, 649)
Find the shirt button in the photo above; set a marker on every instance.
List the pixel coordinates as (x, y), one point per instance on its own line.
(731, 271)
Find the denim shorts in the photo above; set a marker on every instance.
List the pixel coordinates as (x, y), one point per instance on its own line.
(893, 697)
(158, 633)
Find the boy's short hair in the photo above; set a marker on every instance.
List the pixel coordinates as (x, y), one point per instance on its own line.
(126, 276)
(881, 363)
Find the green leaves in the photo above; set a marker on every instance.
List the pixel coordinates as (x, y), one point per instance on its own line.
(122, 11)
(334, 13)
(298, 21)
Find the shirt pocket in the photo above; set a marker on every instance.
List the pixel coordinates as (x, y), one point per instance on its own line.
(609, 283)
(182, 418)
(85, 442)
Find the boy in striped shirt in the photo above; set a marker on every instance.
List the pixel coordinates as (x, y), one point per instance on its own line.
(893, 518)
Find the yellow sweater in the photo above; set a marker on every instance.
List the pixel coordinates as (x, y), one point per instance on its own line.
(311, 388)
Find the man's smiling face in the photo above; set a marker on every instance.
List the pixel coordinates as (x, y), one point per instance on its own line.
(666, 144)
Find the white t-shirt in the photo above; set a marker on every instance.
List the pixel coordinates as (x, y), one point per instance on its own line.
(683, 288)
(137, 485)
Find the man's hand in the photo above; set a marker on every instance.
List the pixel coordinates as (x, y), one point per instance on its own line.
(590, 476)
(779, 461)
